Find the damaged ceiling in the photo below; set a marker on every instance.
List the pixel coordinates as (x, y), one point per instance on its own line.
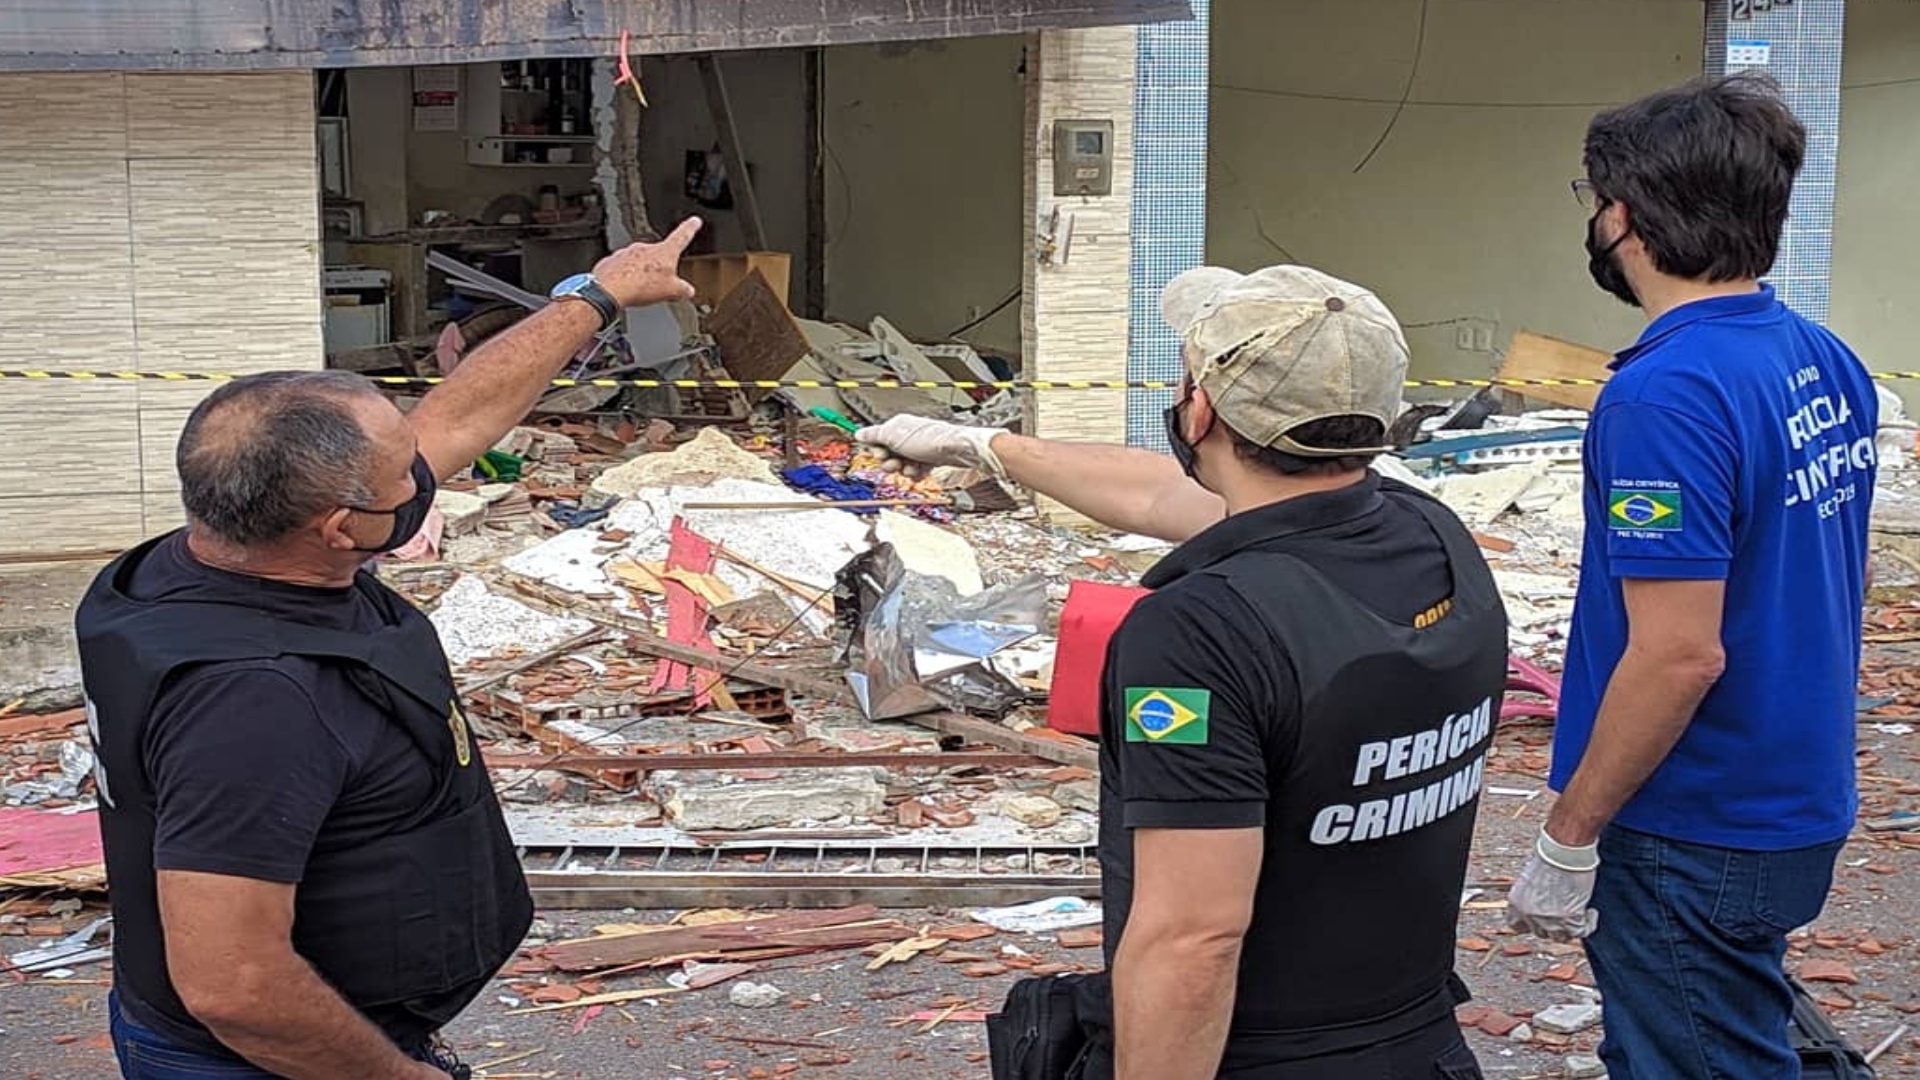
(242, 35)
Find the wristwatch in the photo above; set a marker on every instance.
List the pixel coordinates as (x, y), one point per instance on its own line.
(584, 287)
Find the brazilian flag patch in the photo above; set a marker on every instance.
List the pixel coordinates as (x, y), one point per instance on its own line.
(1645, 511)
(1163, 715)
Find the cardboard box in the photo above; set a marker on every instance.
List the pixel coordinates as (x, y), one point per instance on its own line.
(714, 276)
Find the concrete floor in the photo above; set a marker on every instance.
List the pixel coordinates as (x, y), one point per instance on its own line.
(37, 658)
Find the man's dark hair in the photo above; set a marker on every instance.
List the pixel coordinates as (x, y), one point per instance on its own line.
(264, 454)
(1333, 433)
(1705, 171)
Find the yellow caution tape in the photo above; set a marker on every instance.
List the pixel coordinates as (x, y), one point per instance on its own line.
(812, 384)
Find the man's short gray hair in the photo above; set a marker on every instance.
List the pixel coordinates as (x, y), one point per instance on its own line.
(264, 454)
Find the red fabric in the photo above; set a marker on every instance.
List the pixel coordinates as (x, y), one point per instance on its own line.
(41, 841)
(1092, 613)
(687, 615)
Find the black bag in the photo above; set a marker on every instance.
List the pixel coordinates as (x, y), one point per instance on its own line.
(1824, 1053)
(1038, 1034)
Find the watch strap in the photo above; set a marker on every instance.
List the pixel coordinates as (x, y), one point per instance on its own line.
(603, 302)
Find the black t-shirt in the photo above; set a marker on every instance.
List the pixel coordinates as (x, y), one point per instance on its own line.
(1196, 630)
(256, 764)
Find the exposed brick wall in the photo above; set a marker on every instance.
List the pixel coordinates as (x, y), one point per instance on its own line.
(151, 222)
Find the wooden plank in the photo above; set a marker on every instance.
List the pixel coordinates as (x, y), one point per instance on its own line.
(588, 954)
(757, 336)
(1063, 749)
(746, 204)
(616, 891)
(1537, 356)
(801, 759)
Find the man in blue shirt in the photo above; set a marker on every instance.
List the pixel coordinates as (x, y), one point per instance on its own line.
(1704, 752)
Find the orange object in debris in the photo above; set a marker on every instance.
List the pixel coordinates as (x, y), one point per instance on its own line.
(1092, 614)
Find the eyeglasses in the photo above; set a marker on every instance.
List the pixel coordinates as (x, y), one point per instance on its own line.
(1586, 194)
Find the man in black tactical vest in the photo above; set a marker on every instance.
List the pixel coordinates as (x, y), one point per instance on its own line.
(309, 870)
(1295, 721)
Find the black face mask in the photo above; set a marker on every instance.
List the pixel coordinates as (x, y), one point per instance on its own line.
(409, 516)
(1177, 441)
(1605, 269)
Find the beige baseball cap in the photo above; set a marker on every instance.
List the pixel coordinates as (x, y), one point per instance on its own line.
(1286, 346)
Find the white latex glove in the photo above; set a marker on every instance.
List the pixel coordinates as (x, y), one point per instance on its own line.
(920, 440)
(1549, 899)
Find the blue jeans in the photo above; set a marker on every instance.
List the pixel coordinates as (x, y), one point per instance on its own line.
(147, 1055)
(1689, 953)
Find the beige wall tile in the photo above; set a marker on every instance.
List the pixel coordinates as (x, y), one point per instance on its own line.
(80, 206)
(217, 201)
(67, 438)
(228, 307)
(267, 115)
(161, 512)
(64, 119)
(52, 524)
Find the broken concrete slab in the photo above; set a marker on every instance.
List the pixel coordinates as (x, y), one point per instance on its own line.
(463, 511)
(473, 622)
(704, 801)
(42, 671)
(1585, 1067)
(1079, 795)
(926, 548)
(1567, 1019)
(710, 456)
(903, 356)
(1033, 811)
(1480, 498)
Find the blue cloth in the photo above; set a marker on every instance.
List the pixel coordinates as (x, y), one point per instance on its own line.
(1689, 950)
(147, 1055)
(816, 480)
(1735, 443)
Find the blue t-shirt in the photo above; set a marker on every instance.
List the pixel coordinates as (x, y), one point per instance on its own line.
(1735, 443)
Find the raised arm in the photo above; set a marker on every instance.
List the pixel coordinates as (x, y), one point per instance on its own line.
(494, 389)
(1122, 487)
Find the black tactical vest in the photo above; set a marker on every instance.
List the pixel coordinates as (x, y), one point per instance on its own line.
(395, 925)
(1371, 813)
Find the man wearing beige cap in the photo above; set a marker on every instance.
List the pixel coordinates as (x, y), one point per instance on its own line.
(1294, 722)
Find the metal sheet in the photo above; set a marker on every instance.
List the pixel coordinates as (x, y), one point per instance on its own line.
(242, 35)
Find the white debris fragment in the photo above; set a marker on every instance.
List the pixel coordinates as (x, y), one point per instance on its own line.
(1033, 811)
(462, 510)
(1480, 498)
(1894, 729)
(1568, 1019)
(712, 455)
(752, 995)
(1136, 542)
(474, 622)
(1394, 468)
(926, 548)
(569, 561)
(1585, 1067)
(1040, 916)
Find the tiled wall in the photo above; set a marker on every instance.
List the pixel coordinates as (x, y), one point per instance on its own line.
(1804, 41)
(1075, 310)
(152, 223)
(1169, 203)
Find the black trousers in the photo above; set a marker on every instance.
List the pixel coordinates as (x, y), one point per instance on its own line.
(1435, 1052)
